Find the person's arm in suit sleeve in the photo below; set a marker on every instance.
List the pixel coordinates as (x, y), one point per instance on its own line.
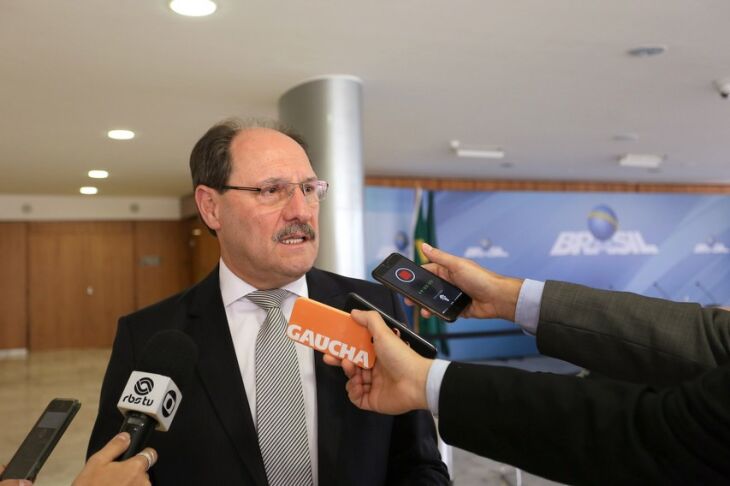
(629, 336)
(561, 427)
(121, 364)
(590, 431)
(414, 457)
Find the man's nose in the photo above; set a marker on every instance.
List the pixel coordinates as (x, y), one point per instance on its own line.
(297, 207)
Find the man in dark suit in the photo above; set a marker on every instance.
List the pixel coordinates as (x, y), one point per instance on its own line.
(667, 421)
(256, 190)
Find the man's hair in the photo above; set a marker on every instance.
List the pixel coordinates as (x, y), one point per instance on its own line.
(210, 160)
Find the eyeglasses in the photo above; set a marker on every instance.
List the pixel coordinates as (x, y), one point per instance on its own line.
(281, 192)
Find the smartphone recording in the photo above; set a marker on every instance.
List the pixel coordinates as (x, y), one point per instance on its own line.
(421, 286)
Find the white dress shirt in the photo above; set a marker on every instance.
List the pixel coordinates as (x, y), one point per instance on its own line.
(244, 320)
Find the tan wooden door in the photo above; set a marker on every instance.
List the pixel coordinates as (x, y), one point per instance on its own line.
(13, 286)
(205, 249)
(162, 256)
(81, 280)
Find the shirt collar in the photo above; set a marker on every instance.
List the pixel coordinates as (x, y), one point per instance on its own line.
(233, 288)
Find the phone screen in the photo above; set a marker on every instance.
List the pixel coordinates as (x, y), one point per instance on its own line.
(432, 292)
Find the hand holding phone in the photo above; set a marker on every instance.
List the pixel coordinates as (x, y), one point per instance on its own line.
(41, 440)
(421, 286)
(416, 342)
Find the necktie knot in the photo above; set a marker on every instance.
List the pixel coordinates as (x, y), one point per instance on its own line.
(268, 299)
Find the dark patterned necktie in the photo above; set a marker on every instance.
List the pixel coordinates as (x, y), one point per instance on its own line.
(280, 418)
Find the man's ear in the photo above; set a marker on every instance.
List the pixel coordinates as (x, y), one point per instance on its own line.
(207, 200)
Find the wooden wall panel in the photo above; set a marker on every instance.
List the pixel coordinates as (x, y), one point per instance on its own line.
(205, 249)
(162, 258)
(81, 279)
(111, 274)
(13, 285)
(554, 186)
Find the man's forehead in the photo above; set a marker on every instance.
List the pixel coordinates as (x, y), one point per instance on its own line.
(263, 153)
(264, 139)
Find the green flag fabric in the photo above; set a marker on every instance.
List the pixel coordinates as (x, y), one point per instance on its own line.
(425, 232)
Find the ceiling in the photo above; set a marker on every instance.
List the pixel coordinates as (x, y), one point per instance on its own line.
(550, 82)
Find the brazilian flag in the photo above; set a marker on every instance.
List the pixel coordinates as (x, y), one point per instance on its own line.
(425, 231)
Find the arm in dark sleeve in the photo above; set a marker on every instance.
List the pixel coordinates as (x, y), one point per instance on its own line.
(591, 431)
(414, 456)
(629, 336)
(109, 419)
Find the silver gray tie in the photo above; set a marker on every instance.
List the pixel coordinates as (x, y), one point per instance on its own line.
(280, 418)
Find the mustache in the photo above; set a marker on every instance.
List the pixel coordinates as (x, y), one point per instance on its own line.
(293, 229)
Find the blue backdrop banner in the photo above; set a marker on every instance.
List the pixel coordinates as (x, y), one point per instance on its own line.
(672, 246)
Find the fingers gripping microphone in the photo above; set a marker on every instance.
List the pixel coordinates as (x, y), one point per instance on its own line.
(153, 393)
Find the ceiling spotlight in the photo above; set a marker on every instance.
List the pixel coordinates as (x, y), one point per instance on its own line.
(98, 174)
(477, 153)
(88, 190)
(647, 51)
(193, 8)
(120, 134)
(642, 161)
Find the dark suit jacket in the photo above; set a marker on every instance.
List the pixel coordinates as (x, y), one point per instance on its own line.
(213, 439)
(672, 429)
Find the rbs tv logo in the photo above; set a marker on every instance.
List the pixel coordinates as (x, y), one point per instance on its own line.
(603, 238)
(142, 387)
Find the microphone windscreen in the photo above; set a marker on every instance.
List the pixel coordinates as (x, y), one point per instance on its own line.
(170, 353)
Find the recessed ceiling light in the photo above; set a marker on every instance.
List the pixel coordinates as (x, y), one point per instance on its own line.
(193, 8)
(88, 190)
(477, 152)
(642, 161)
(98, 174)
(120, 134)
(647, 51)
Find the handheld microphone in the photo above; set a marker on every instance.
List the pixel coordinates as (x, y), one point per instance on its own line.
(153, 394)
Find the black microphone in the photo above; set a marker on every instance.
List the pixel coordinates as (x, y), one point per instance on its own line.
(153, 393)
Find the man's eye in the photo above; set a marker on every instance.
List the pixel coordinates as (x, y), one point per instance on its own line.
(270, 190)
(309, 188)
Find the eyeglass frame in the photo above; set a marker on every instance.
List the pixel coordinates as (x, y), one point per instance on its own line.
(290, 193)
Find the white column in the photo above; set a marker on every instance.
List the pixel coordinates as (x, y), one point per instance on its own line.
(326, 111)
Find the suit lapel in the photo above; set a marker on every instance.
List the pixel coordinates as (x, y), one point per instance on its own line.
(331, 397)
(219, 372)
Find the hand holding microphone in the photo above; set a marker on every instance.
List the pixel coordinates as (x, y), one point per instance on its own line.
(153, 394)
(102, 468)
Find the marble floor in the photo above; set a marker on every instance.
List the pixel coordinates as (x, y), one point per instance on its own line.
(28, 383)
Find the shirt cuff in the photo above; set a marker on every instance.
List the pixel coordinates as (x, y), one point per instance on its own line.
(527, 313)
(433, 384)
